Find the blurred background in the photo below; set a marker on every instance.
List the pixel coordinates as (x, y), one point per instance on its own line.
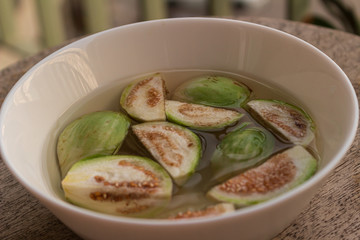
(29, 26)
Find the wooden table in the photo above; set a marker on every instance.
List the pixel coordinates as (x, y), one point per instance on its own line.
(334, 212)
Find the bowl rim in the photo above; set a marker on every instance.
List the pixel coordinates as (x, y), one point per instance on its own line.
(317, 178)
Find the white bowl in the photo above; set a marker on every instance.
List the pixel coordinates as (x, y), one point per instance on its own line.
(86, 70)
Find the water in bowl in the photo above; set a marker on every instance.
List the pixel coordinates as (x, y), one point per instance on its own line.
(192, 194)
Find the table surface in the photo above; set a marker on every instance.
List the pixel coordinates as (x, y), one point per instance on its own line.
(333, 213)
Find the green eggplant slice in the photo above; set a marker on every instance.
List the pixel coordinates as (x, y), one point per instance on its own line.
(98, 133)
(144, 99)
(200, 117)
(279, 174)
(119, 185)
(210, 211)
(242, 148)
(214, 91)
(175, 147)
(286, 119)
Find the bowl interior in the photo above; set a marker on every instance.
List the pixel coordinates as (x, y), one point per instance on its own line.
(91, 73)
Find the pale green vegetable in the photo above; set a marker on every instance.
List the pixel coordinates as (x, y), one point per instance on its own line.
(200, 117)
(291, 122)
(209, 211)
(214, 91)
(277, 175)
(242, 148)
(176, 148)
(98, 133)
(119, 185)
(144, 99)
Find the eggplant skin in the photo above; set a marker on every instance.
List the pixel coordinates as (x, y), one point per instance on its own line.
(288, 121)
(216, 91)
(93, 134)
(241, 149)
(244, 144)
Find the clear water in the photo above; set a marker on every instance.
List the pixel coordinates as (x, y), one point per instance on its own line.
(192, 194)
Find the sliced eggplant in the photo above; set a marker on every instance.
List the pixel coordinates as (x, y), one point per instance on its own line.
(241, 149)
(119, 185)
(210, 211)
(214, 91)
(144, 99)
(200, 117)
(288, 120)
(277, 175)
(176, 148)
(99, 133)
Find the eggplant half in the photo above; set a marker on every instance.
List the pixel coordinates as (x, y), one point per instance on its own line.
(144, 99)
(217, 91)
(209, 211)
(119, 185)
(98, 133)
(279, 174)
(175, 147)
(200, 117)
(291, 122)
(240, 149)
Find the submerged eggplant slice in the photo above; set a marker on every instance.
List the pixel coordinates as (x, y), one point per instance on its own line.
(214, 91)
(210, 211)
(241, 149)
(290, 121)
(199, 116)
(277, 175)
(118, 185)
(176, 148)
(98, 133)
(144, 99)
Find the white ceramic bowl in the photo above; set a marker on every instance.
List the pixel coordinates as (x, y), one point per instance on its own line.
(85, 70)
